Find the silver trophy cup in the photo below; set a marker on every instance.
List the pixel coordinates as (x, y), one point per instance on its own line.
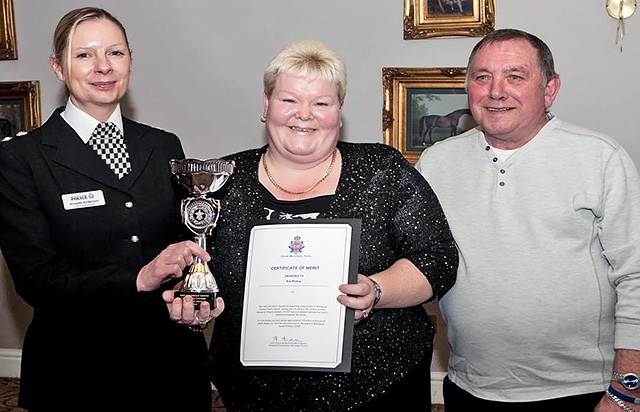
(200, 214)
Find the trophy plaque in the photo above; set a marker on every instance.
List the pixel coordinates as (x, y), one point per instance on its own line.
(200, 214)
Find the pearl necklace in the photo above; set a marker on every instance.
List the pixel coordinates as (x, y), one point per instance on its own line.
(273, 181)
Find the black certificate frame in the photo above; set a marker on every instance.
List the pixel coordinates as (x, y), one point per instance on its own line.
(347, 345)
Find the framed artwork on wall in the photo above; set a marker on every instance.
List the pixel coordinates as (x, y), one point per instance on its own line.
(423, 106)
(19, 107)
(8, 49)
(425, 19)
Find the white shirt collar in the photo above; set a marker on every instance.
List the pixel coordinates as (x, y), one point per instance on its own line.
(84, 124)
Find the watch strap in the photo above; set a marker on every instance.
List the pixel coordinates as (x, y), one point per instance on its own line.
(623, 396)
(378, 292)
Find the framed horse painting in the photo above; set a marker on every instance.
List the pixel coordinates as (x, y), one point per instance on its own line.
(422, 106)
(8, 50)
(424, 19)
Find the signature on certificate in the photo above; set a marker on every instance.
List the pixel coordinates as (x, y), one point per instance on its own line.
(286, 341)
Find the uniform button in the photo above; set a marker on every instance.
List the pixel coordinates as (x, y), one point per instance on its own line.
(503, 171)
(135, 239)
(501, 183)
(128, 205)
(487, 148)
(495, 159)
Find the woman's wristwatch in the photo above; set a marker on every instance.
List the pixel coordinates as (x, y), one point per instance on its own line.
(378, 292)
(629, 380)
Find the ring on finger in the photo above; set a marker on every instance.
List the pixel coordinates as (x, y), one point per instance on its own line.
(203, 322)
(365, 314)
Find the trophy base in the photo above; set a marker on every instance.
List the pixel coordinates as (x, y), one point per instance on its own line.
(198, 297)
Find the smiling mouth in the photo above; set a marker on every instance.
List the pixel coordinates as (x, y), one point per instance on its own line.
(499, 109)
(103, 84)
(301, 129)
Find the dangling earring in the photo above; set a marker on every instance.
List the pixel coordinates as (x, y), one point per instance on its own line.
(263, 119)
(340, 123)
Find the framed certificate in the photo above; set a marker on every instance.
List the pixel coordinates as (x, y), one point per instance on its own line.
(291, 317)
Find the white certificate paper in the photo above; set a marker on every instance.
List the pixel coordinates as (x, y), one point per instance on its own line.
(291, 318)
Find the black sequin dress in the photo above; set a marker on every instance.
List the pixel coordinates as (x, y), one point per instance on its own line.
(401, 218)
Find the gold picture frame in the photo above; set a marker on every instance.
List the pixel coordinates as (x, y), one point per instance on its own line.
(424, 19)
(422, 106)
(19, 107)
(8, 49)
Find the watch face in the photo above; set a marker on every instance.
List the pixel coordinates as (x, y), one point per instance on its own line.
(630, 381)
(618, 9)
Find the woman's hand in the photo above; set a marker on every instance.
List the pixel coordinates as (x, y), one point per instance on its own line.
(183, 310)
(403, 285)
(359, 296)
(169, 264)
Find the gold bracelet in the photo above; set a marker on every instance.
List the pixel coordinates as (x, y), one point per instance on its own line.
(619, 402)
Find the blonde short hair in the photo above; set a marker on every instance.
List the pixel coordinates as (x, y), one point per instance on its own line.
(309, 59)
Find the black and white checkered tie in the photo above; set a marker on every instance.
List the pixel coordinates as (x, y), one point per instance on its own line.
(108, 142)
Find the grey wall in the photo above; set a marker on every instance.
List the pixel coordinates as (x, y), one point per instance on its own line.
(198, 70)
